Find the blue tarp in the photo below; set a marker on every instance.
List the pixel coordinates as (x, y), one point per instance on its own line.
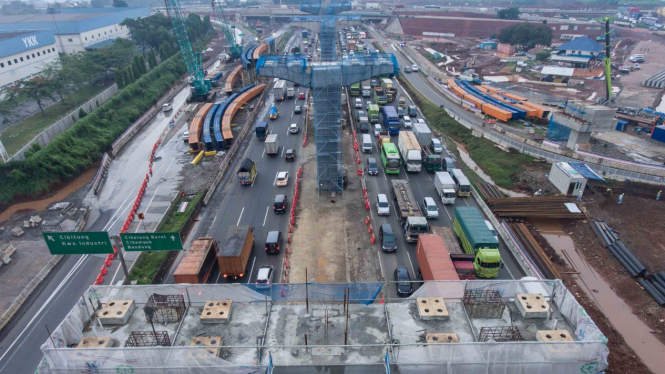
(586, 171)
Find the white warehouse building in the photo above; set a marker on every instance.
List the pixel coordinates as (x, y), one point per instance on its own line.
(24, 54)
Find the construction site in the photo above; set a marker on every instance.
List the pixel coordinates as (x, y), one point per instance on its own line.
(463, 326)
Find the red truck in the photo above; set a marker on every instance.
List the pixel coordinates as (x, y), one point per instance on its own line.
(441, 258)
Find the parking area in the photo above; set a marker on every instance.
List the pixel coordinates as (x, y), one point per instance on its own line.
(633, 93)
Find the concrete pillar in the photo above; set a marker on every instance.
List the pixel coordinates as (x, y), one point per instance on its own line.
(577, 137)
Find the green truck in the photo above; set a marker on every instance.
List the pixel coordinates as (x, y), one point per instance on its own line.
(373, 113)
(431, 161)
(476, 238)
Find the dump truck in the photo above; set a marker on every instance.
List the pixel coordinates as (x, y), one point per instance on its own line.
(409, 151)
(445, 187)
(463, 262)
(408, 211)
(477, 239)
(247, 172)
(279, 89)
(380, 96)
(234, 254)
(271, 145)
(197, 263)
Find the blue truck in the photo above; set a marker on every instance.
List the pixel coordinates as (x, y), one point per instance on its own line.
(390, 119)
(261, 130)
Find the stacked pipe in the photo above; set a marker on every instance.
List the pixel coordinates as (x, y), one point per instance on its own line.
(654, 284)
(610, 240)
(534, 207)
(534, 250)
(488, 190)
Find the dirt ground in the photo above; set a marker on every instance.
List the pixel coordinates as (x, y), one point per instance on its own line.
(330, 239)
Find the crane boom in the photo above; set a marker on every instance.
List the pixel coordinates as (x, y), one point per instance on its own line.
(607, 61)
(193, 61)
(229, 30)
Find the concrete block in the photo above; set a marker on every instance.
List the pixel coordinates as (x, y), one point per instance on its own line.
(214, 342)
(445, 337)
(217, 311)
(95, 342)
(116, 312)
(554, 336)
(432, 308)
(532, 305)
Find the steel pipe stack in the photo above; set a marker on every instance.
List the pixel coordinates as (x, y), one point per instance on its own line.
(524, 207)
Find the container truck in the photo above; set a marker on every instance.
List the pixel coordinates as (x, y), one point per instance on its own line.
(380, 96)
(408, 211)
(445, 187)
(433, 259)
(196, 266)
(409, 151)
(280, 89)
(390, 119)
(290, 93)
(373, 113)
(476, 239)
(271, 145)
(233, 256)
(463, 262)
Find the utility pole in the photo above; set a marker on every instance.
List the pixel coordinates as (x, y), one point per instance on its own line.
(118, 244)
(608, 61)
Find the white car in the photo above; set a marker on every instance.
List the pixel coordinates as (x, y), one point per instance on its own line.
(359, 104)
(282, 178)
(415, 68)
(293, 129)
(429, 209)
(406, 121)
(377, 130)
(167, 107)
(264, 276)
(435, 146)
(382, 206)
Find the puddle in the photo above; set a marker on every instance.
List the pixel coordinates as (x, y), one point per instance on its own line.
(464, 155)
(40, 205)
(634, 331)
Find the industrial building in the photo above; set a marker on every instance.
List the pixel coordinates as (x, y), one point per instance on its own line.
(516, 326)
(24, 53)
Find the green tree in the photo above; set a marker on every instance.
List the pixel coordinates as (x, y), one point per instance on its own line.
(58, 78)
(8, 102)
(509, 13)
(152, 60)
(16, 7)
(120, 4)
(526, 35)
(543, 55)
(142, 61)
(34, 148)
(37, 89)
(120, 78)
(82, 113)
(126, 76)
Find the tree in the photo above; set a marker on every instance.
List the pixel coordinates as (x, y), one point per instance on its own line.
(509, 13)
(142, 61)
(8, 102)
(17, 7)
(119, 4)
(82, 113)
(526, 35)
(58, 78)
(543, 55)
(152, 60)
(37, 89)
(126, 77)
(120, 78)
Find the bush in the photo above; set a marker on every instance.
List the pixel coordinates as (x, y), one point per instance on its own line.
(78, 148)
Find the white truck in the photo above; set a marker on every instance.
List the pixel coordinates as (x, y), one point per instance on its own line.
(423, 134)
(409, 151)
(445, 187)
(290, 93)
(271, 145)
(279, 89)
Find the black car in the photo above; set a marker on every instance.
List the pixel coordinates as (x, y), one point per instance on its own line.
(364, 127)
(279, 206)
(387, 238)
(371, 166)
(297, 110)
(401, 276)
(274, 242)
(290, 155)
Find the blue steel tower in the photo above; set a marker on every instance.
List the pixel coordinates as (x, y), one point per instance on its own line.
(326, 78)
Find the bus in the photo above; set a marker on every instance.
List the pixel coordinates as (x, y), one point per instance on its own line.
(355, 89)
(462, 184)
(390, 158)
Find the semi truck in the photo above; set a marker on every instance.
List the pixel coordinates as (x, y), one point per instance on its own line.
(441, 258)
(380, 96)
(423, 134)
(196, 266)
(290, 93)
(271, 145)
(463, 262)
(477, 239)
(390, 119)
(409, 151)
(408, 211)
(373, 113)
(279, 90)
(445, 187)
(233, 256)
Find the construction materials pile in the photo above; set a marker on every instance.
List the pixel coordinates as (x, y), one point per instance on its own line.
(489, 190)
(528, 243)
(653, 283)
(535, 207)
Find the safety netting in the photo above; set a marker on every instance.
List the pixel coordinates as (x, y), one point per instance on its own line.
(557, 132)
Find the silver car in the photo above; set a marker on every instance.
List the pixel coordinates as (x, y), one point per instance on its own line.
(264, 276)
(382, 205)
(429, 209)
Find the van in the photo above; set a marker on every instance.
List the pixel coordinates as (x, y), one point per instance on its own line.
(367, 143)
(273, 242)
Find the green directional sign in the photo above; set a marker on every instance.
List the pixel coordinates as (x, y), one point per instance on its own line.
(78, 243)
(156, 241)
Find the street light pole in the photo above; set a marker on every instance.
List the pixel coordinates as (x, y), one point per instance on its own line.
(121, 257)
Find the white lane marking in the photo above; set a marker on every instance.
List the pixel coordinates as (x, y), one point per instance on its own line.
(167, 169)
(251, 271)
(274, 183)
(413, 271)
(378, 253)
(287, 131)
(53, 294)
(118, 211)
(448, 214)
(118, 217)
(266, 217)
(406, 173)
(264, 153)
(467, 204)
(241, 212)
(509, 272)
(148, 207)
(427, 174)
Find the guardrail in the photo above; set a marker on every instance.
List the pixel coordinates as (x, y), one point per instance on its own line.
(101, 173)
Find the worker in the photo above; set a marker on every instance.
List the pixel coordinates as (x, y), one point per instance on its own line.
(620, 198)
(659, 194)
(608, 192)
(579, 196)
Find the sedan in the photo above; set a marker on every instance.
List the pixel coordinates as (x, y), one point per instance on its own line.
(282, 178)
(290, 155)
(414, 68)
(401, 276)
(372, 166)
(264, 276)
(382, 206)
(407, 69)
(301, 96)
(294, 129)
(297, 109)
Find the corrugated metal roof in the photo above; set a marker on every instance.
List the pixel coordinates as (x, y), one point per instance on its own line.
(569, 58)
(556, 70)
(583, 44)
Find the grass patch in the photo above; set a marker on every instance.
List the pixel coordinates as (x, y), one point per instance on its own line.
(175, 221)
(499, 165)
(17, 136)
(284, 39)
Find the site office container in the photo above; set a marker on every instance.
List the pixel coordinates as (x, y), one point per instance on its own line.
(196, 266)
